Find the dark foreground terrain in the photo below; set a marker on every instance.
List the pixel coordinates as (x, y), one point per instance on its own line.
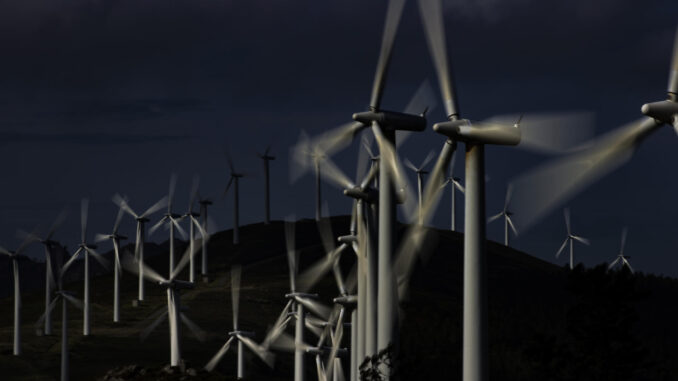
(545, 322)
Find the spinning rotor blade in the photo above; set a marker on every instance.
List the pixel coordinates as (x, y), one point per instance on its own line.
(539, 191)
(194, 192)
(623, 240)
(581, 239)
(217, 357)
(75, 302)
(409, 164)
(197, 331)
(315, 307)
(266, 356)
(84, 209)
(51, 306)
(122, 204)
(395, 10)
(673, 74)
(133, 266)
(101, 237)
(155, 207)
(118, 219)
(291, 253)
(157, 225)
(69, 262)
(427, 160)
(170, 193)
(338, 334)
(567, 221)
(510, 223)
(148, 330)
(102, 261)
(562, 247)
(228, 186)
(178, 227)
(496, 216)
(326, 234)
(278, 327)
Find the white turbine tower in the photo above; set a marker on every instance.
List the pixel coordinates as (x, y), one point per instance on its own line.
(242, 337)
(66, 297)
(117, 269)
(170, 220)
(570, 239)
(267, 192)
(622, 260)
(14, 257)
(506, 213)
(174, 312)
(192, 224)
(234, 179)
(141, 219)
(420, 171)
(86, 250)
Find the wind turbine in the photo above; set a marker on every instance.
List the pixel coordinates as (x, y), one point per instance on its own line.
(66, 297)
(235, 177)
(242, 337)
(117, 269)
(170, 220)
(86, 250)
(267, 198)
(14, 257)
(455, 185)
(301, 153)
(420, 171)
(193, 223)
(174, 310)
(141, 219)
(570, 239)
(622, 259)
(506, 213)
(543, 189)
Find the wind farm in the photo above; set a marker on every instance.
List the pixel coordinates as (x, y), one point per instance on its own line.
(343, 274)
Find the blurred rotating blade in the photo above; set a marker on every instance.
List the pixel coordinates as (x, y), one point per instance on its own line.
(539, 191)
(291, 254)
(581, 239)
(195, 330)
(155, 207)
(129, 264)
(51, 306)
(393, 13)
(170, 193)
(338, 335)
(278, 327)
(315, 307)
(157, 225)
(235, 293)
(121, 202)
(266, 356)
(217, 357)
(84, 211)
(144, 334)
(102, 261)
(78, 304)
(562, 247)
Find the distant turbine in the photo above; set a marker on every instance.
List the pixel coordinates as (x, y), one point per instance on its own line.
(66, 297)
(193, 223)
(622, 259)
(14, 257)
(174, 311)
(141, 234)
(170, 220)
(242, 337)
(507, 217)
(235, 177)
(570, 238)
(267, 199)
(86, 250)
(117, 269)
(420, 177)
(455, 185)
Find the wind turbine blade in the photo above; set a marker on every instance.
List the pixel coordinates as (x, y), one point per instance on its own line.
(315, 307)
(5, 251)
(613, 263)
(320, 368)
(285, 342)
(266, 356)
(129, 264)
(157, 225)
(539, 191)
(194, 192)
(562, 247)
(628, 264)
(278, 327)
(496, 216)
(198, 225)
(367, 143)
(567, 221)
(507, 200)
(582, 240)
(170, 193)
(179, 229)
(84, 209)
(389, 160)
(118, 219)
(103, 261)
(291, 253)
(155, 207)
(623, 240)
(144, 334)
(423, 101)
(185, 258)
(313, 274)
(409, 164)
(427, 160)
(235, 293)
(432, 17)
(337, 138)
(510, 222)
(228, 186)
(673, 73)
(395, 10)
(51, 306)
(335, 176)
(459, 186)
(338, 334)
(122, 203)
(69, 262)
(313, 328)
(101, 237)
(326, 234)
(77, 303)
(217, 357)
(197, 331)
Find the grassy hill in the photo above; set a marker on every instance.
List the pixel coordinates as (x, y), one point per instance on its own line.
(536, 312)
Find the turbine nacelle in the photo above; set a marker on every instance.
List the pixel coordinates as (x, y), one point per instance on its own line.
(349, 301)
(242, 333)
(463, 130)
(347, 239)
(369, 195)
(303, 295)
(86, 246)
(142, 219)
(664, 111)
(392, 120)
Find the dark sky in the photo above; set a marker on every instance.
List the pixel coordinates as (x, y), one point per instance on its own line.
(98, 97)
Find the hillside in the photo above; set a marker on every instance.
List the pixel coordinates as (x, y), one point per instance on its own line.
(533, 306)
